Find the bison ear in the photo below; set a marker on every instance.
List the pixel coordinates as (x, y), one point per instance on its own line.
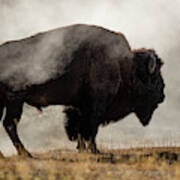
(152, 63)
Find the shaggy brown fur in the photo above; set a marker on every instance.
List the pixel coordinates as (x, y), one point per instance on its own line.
(86, 67)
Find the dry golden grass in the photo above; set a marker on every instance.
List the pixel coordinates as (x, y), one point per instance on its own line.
(135, 164)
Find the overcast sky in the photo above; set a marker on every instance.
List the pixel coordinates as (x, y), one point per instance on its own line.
(149, 24)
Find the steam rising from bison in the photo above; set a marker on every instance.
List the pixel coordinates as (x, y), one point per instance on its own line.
(89, 69)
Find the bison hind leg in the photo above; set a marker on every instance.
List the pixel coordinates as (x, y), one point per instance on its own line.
(12, 118)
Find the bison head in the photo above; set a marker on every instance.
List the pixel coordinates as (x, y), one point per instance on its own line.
(148, 84)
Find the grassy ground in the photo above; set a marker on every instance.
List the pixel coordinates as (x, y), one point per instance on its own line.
(135, 164)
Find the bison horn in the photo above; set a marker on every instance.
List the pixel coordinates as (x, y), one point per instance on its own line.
(152, 64)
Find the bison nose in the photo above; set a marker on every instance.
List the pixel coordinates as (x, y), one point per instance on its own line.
(162, 98)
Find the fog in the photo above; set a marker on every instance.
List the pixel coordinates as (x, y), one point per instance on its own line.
(144, 23)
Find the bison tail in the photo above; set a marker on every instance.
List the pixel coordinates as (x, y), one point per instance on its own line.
(72, 122)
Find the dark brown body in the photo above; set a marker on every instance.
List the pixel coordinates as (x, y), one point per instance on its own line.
(86, 67)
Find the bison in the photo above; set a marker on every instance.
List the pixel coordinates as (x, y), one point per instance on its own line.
(90, 70)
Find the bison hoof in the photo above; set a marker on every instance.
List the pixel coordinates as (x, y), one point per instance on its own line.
(95, 151)
(81, 149)
(81, 144)
(25, 154)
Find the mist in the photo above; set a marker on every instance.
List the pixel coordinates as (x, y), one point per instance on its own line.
(145, 24)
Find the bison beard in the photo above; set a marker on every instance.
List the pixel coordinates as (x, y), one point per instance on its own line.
(90, 69)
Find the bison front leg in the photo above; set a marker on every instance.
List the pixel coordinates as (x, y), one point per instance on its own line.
(13, 115)
(81, 146)
(96, 116)
(92, 142)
